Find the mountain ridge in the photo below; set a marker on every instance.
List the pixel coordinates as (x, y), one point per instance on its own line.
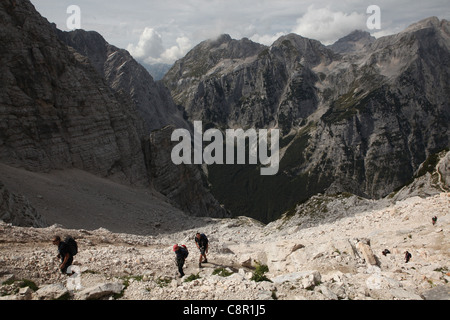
(88, 106)
(359, 122)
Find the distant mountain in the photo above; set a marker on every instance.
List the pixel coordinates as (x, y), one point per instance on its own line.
(241, 83)
(354, 42)
(157, 70)
(359, 116)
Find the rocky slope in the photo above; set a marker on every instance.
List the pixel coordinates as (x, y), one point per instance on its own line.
(17, 210)
(80, 104)
(360, 121)
(69, 119)
(56, 110)
(319, 257)
(76, 199)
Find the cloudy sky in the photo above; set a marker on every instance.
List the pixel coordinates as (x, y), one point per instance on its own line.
(163, 31)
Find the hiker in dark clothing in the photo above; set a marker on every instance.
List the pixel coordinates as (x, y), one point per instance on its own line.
(408, 256)
(434, 219)
(202, 244)
(181, 255)
(63, 254)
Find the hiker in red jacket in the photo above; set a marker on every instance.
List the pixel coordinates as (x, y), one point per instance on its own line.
(181, 253)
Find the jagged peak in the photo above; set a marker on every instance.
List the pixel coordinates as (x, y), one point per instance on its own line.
(430, 22)
(354, 41)
(223, 38)
(227, 39)
(356, 35)
(290, 37)
(298, 41)
(223, 47)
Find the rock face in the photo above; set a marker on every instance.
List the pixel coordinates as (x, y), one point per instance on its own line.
(126, 76)
(359, 121)
(56, 110)
(16, 209)
(233, 83)
(184, 184)
(71, 100)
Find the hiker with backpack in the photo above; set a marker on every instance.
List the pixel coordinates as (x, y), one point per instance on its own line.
(67, 249)
(181, 253)
(202, 244)
(408, 256)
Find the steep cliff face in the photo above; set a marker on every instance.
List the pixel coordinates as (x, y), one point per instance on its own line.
(391, 110)
(358, 120)
(184, 185)
(71, 100)
(56, 110)
(243, 84)
(127, 77)
(17, 210)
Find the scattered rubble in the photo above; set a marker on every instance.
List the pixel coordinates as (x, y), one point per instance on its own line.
(338, 259)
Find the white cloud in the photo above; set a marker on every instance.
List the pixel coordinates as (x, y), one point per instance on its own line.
(150, 48)
(260, 20)
(176, 52)
(149, 45)
(328, 26)
(266, 39)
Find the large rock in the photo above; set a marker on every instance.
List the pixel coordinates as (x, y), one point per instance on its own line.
(307, 279)
(17, 210)
(444, 170)
(100, 291)
(54, 291)
(364, 248)
(71, 100)
(437, 293)
(356, 41)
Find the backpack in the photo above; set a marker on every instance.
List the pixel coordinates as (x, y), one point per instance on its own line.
(186, 250)
(72, 245)
(203, 241)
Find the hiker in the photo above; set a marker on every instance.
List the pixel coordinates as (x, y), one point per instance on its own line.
(408, 256)
(63, 253)
(181, 253)
(434, 219)
(202, 244)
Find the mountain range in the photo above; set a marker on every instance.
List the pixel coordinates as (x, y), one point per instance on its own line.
(359, 116)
